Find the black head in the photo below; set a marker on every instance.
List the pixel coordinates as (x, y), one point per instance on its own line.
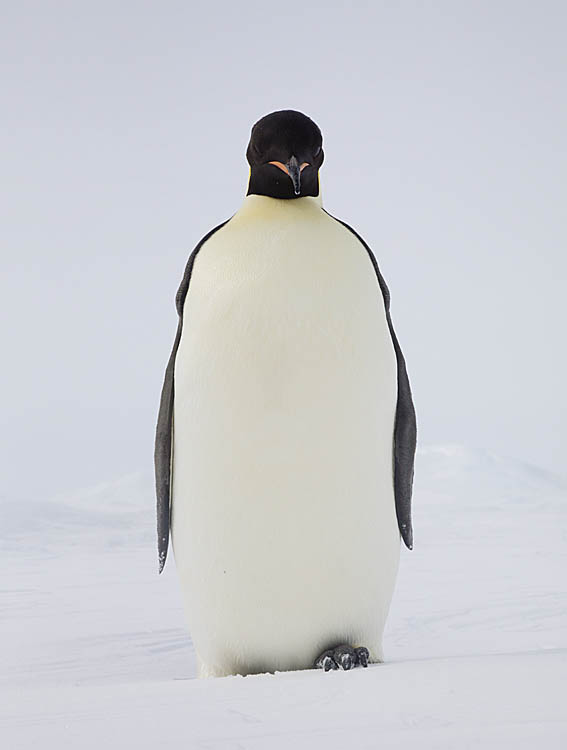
(285, 153)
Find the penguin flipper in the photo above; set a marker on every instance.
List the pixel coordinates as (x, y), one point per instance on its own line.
(163, 451)
(405, 429)
(163, 454)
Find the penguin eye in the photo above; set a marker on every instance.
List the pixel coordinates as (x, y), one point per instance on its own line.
(317, 151)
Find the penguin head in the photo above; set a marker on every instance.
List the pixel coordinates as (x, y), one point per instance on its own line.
(285, 153)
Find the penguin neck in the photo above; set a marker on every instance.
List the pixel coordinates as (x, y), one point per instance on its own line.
(264, 205)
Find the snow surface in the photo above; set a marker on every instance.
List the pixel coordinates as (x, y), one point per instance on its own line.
(94, 651)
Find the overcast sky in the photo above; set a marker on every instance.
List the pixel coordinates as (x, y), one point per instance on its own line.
(124, 129)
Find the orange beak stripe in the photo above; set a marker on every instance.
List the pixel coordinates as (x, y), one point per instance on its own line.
(283, 167)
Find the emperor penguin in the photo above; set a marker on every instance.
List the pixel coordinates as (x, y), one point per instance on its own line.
(286, 432)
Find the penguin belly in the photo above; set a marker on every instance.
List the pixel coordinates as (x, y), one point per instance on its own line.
(284, 526)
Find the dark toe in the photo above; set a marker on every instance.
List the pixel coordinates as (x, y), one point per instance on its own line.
(345, 657)
(362, 655)
(326, 661)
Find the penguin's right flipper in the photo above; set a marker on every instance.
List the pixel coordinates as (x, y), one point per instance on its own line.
(405, 429)
(163, 453)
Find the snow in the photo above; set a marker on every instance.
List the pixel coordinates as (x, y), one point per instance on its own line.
(94, 650)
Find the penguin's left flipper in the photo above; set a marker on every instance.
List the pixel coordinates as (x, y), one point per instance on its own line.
(164, 431)
(405, 428)
(342, 657)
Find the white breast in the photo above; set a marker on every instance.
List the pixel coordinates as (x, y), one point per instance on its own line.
(283, 522)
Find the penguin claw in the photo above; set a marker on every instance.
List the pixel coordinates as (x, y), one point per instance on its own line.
(326, 661)
(343, 657)
(362, 655)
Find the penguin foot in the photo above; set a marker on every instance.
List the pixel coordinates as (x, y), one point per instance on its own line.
(342, 657)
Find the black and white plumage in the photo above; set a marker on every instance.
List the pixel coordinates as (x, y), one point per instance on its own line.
(286, 432)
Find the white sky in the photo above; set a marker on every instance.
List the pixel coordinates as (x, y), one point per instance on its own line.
(124, 128)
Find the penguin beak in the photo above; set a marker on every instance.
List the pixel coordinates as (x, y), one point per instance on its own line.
(293, 170)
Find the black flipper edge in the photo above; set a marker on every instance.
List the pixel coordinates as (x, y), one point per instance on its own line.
(405, 429)
(164, 430)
